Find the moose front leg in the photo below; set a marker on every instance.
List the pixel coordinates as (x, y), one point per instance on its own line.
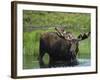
(74, 61)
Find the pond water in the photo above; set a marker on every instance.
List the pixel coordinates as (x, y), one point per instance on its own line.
(84, 62)
(29, 63)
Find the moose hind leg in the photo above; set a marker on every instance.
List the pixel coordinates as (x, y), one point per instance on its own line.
(41, 62)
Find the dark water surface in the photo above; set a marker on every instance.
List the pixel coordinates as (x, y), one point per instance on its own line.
(30, 62)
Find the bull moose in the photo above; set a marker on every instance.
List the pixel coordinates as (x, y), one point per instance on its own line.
(61, 46)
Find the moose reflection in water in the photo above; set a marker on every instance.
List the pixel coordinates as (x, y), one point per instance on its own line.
(61, 46)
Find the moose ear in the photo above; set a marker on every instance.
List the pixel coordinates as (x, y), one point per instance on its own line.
(84, 36)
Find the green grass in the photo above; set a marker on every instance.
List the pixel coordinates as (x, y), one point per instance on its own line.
(31, 42)
(84, 49)
(79, 21)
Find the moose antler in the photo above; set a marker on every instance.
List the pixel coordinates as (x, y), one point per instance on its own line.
(60, 32)
(64, 34)
(84, 36)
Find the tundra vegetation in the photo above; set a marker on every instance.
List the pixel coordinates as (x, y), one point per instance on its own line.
(37, 22)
